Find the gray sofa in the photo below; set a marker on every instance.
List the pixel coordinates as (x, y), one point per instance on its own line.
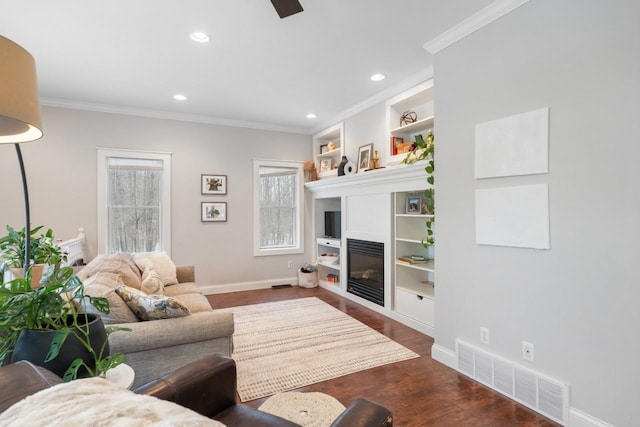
(156, 347)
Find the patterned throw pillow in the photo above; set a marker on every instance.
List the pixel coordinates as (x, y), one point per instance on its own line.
(151, 307)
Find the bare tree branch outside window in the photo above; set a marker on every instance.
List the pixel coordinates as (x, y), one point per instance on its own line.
(135, 198)
(277, 204)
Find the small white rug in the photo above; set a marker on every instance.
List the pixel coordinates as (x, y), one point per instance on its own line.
(284, 345)
(306, 409)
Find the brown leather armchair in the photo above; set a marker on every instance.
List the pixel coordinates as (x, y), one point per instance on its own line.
(207, 386)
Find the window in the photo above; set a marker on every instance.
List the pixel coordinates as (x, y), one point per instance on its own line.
(278, 200)
(134, 203)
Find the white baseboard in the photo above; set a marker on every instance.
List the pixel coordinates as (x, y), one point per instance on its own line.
(444, 356)
(578, 418)
(247, 286)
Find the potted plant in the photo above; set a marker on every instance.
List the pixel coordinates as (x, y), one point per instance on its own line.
(51, 318)
(43, 251)
(421, 150)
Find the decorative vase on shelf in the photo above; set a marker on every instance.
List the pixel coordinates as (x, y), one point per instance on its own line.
(375, 161)
(342, 164)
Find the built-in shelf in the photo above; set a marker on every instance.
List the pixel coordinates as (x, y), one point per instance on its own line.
(413, 286)
(331, 158)
(417, 126)
(418, 100)
(428, 266)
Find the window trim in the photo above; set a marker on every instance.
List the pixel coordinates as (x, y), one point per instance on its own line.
(298, 247)
(102, 193)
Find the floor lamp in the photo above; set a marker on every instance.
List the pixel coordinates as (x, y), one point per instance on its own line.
(19, 113)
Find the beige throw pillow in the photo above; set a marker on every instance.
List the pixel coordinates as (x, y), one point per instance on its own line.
(103, 284)
(151, 307)
(121, 264)
(151, 283)
(161, 263)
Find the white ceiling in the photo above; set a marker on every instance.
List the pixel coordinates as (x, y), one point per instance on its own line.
(257, 71)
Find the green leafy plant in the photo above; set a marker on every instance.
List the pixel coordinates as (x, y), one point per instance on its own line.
(421, 150)
(43, 249)
(56, 305)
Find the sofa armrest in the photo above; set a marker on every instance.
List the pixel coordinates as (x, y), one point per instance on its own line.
(364, 413)
(21, 379)
(186, 273)
(207, 386)
(163, 333)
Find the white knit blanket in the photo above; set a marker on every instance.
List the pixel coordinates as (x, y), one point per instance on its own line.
(97, 402)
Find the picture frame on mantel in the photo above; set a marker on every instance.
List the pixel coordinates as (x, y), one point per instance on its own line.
(213, 211)
(364, 157)
(213, 184)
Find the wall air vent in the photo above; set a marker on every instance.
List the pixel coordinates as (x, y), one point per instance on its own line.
(465, 359)
(542, 394)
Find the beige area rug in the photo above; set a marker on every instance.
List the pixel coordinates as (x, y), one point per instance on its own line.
(280, 346)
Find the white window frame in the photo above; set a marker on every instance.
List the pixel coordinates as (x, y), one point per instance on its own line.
(103, 193)
(298, 246)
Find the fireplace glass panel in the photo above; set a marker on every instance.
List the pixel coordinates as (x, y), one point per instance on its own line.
(366, 270)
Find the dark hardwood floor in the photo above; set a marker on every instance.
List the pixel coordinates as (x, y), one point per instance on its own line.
(419, 392)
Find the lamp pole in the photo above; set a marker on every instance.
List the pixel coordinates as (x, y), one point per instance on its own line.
(27, 212)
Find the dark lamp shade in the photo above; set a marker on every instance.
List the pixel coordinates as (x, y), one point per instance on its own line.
(19, 105)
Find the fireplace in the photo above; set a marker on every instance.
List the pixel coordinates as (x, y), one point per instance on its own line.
(365, 270)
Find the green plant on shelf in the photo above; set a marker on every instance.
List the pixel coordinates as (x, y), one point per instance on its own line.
(421, 150)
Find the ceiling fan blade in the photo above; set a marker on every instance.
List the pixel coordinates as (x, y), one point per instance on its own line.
(287, 7)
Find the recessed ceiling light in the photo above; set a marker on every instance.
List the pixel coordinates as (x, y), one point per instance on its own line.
(377, 77)
(311, 116)
(199, 37)
(179, 97)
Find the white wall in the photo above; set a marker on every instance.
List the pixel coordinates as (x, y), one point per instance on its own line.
(366, 127)
(578, 302)
(61, 170)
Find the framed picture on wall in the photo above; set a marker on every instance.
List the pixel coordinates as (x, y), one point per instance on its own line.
(213, 184)
(213, 211)
(364, 157)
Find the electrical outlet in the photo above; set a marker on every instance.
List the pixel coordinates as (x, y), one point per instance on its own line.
(527, 351)
(289, 264)
(484, 335)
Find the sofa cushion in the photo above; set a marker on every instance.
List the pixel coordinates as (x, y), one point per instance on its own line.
(161, 263)
(121, 264)
(181, 289)
(194, 302)
(103, 284)
(151, 307)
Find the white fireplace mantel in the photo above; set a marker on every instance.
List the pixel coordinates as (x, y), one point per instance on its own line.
(383, 180)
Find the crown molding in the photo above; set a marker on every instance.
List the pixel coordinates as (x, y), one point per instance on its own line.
(484, 17)
(155, 114)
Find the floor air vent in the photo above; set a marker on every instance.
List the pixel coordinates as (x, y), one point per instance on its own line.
(540, 393)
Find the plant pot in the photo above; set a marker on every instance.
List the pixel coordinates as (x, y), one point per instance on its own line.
(37, 270)
(34, 347)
